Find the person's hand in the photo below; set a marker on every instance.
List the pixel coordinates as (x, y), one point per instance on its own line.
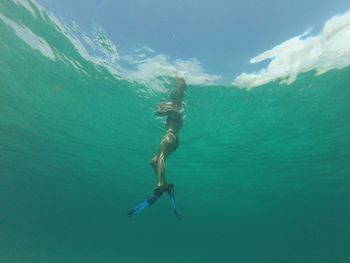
(164, 109)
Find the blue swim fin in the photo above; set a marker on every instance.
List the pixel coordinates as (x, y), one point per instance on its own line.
(141, 206)
(170, 191)
(157, 194)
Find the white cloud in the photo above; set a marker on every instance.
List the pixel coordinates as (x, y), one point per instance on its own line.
(326, 51)
(159, 65)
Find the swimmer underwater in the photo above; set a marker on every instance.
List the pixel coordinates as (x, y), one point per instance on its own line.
(169, 143)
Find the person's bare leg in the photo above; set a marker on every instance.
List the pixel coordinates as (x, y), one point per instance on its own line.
(158, 164)
(167, 146)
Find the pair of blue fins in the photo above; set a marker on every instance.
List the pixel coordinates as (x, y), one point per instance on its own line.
(157, 193)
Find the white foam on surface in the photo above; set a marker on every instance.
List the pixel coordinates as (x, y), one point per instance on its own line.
(33, 40)
(326, 51)
(26, 5)
(148, 67)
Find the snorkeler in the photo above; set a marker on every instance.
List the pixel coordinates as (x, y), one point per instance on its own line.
(168, 145)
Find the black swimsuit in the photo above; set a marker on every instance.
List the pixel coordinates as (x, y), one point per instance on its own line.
(175, 117)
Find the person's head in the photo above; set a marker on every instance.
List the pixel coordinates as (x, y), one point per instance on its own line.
(180, 82)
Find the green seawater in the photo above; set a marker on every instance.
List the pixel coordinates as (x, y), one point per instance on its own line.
(261, 175)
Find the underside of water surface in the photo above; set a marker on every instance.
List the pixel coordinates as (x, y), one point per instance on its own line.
(260, 175)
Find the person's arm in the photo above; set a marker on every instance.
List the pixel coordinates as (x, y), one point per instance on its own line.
(175, 99)
(178, 92)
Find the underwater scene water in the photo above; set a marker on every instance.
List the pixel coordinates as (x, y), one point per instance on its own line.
(261, 174)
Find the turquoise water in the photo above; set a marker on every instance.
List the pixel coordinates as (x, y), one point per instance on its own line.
(260, 175)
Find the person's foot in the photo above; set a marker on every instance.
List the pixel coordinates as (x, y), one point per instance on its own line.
(160, 190)
(166, 108)
(170, 189)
